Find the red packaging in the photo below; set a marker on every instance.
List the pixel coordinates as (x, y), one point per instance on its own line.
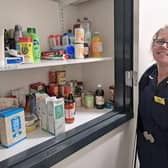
(52, 77)
(53, 90)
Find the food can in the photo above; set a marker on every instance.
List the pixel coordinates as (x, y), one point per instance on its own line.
(52, 76)
(89, 100)
(79, 51)
(61, 77)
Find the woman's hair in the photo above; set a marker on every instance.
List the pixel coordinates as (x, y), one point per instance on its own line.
(155, 36)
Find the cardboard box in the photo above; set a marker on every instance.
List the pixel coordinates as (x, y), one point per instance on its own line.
(12, 126)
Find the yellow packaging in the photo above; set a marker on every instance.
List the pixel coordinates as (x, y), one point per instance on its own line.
(26, 48)
(97, 46)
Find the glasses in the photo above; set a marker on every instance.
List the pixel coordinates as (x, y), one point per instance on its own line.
(161, 42)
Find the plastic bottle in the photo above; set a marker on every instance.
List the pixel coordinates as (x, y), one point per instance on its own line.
(31, 32)
(99, 97)
(86, 24)
(17, 34)
(71, 37)
(97, 46)
(76, 25)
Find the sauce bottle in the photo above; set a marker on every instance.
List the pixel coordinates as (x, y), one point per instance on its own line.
(70, 109)
(99, 97)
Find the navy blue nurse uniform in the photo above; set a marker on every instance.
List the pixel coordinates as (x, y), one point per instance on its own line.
(152, 133)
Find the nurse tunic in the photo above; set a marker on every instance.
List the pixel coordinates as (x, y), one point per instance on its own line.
(152, 132)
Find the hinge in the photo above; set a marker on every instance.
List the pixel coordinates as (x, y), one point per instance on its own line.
(128, 78)
(131, 78)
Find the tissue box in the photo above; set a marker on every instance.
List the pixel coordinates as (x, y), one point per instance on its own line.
(12, 126)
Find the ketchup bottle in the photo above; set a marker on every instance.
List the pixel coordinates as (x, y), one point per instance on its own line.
(70, 109)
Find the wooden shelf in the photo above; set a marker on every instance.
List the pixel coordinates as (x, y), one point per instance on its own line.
(49, 63)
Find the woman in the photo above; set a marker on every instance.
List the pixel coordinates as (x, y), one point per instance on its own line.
(152, 130)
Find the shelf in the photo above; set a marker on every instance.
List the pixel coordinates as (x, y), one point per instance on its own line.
(49, 63)
(38, 136)
(71, 2)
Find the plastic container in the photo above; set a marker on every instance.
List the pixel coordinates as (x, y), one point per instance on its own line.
(86, 24)
(79, 35)
(76, 25)
(31, 32)
(97, 45)
(26, 48)
(89, 100)
(17, 34)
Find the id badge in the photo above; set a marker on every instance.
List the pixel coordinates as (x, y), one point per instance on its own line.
(159, 100)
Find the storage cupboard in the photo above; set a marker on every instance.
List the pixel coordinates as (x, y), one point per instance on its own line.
(115, 23)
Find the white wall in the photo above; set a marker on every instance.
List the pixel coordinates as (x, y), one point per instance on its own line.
(109, 151)
(153, 15)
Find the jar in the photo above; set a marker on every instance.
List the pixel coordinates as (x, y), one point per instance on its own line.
(89, 100)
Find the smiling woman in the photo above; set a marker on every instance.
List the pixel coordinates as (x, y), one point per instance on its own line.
(153, 107)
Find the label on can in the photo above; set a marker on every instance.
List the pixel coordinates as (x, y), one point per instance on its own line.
(61, 77)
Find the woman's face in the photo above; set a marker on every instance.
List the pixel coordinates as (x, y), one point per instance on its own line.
(160, 48)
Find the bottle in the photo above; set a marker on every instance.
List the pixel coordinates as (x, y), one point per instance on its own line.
(86, 24)
(76, 25)
(6, 39)
(70, 108)
(17, 34)
(86, 50)
(11, 37)
(97, 46)
(31, 32)
(70, 37)
(79, 35)
(99, 97)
